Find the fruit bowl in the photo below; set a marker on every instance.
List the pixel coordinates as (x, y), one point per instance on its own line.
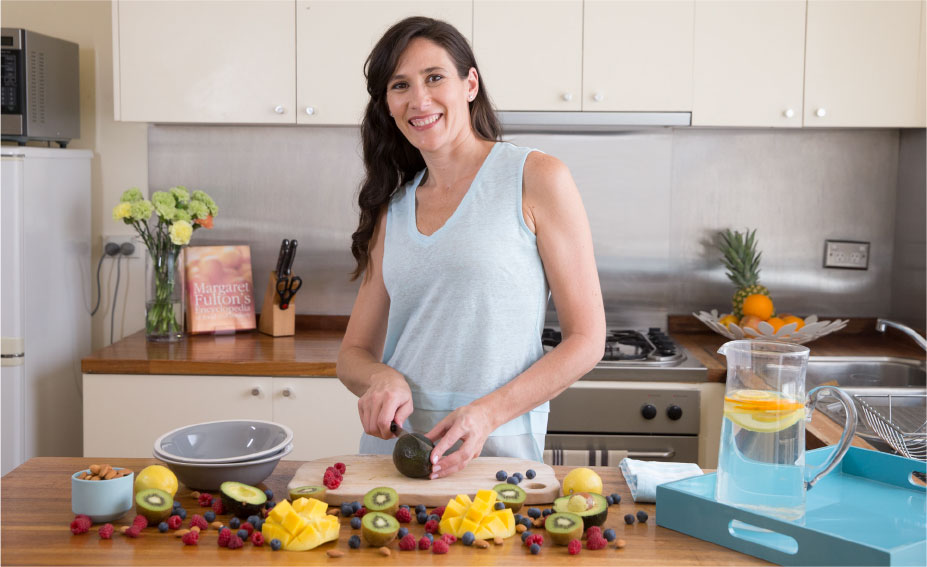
(813, 329)
(208, 476)
(228, 441)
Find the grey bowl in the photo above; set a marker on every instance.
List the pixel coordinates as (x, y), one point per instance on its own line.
(208, 476)
(164, 457)
(229, 441)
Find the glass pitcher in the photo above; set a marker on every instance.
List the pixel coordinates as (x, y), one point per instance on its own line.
(761, 460)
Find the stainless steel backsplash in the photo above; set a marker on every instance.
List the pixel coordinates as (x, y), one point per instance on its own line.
(656, 200)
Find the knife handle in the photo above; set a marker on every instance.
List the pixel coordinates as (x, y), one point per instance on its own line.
(284, 247)
(288, 267)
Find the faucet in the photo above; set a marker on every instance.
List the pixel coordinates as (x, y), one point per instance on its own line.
(881, 324)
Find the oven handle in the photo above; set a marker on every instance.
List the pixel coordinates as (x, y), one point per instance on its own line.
(651, 454)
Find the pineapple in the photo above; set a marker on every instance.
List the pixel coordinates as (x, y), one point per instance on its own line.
(743, 264)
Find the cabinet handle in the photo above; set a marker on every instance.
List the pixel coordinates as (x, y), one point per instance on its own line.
(310, 110)
(598, 97)
(287, 392)
(788, 113)
(567, 97)
(821, 112)
(279, 109)
(257, 391)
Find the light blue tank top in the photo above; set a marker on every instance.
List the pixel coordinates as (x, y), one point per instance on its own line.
(467, 303)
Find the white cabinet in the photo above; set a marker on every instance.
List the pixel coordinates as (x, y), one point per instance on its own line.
(204, 61)
(125, 413)
(530, 53)
(333, 40)
(637, 55)
(748, 63)
(861, 63)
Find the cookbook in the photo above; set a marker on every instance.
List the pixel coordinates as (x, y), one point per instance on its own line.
(220, 292)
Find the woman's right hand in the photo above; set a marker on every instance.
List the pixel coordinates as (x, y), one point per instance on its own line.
(387, 399)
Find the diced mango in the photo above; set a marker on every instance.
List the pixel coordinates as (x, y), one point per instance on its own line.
(271, 531)
(280, 512)
(468, 525)
(478, 510)
(293, 523)
(315, 508)
(508, 520)
(444, 526)
(300, 504)
(487, 496)
(483, 533)
(307, 539)
(454, 508)
(463, 500)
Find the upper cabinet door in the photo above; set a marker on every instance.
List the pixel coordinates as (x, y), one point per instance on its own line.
(749, 63)
(205, 61)
(637, 55)
(334, 38)
(530, 53)
(861, 62)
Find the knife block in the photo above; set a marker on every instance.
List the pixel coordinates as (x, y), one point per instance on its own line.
(274, 321)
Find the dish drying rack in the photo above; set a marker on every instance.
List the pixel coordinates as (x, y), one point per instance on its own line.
(900, 427)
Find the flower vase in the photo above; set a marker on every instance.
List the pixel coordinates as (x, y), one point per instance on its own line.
(164, 295)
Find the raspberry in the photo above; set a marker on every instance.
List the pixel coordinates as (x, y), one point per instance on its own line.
(190, 538)
(205, 500)
(594, 531)
(235, 542)
(407, 543)
(225, 535)
(174, 522)
(340, 467)
(330, 481)
(217, 506)
(360, 512)
(257, 539)
(80, 526)
(449, 538)
(440, 546)
(534, 538)
(247, 527)
(596, 542)
(439, 511)
(83, 516)
(403, 516)
(431, 526)
(199, 522)
(140, 521)
(106, 531)
(134, 531)
(424, 543)
(574, 547)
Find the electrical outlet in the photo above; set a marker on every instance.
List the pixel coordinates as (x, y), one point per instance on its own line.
(118, 239)
(846, 254)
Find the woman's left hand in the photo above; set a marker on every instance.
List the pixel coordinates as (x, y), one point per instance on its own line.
(470, 424)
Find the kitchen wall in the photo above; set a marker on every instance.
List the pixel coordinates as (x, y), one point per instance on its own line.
(909, 268)
(655, 199)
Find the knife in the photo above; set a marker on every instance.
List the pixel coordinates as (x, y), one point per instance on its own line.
(291, 255)
(284, 248)
(396, 429)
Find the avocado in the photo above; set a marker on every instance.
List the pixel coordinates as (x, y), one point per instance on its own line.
(412, 455)
(241, 499)
(595, 507)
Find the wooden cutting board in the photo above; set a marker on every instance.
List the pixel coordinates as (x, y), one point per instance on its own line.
(365, 472)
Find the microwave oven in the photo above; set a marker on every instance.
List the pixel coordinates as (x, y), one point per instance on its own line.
(40, 88)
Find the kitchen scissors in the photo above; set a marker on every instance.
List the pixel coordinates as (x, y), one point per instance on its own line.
(287, 288)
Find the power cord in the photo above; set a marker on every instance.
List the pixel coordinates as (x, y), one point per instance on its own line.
(111, 249)
(112, 314)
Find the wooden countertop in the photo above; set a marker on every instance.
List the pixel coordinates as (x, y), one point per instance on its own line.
(37, 514)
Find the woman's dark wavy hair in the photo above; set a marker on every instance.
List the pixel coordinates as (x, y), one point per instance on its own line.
(389, 159)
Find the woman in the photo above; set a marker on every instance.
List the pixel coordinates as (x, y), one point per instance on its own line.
(458, 240)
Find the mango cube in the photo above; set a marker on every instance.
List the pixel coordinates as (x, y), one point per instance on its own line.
(280, 511)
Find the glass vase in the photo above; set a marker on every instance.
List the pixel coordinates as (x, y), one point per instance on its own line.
(164, 295)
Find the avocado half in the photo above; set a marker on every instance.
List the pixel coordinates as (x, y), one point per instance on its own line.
(596, 508)
(412, 455)
(242, 500)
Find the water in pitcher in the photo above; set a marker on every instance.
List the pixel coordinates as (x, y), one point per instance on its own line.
(761, 458)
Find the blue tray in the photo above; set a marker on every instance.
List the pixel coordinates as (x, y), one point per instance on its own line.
(867, 511)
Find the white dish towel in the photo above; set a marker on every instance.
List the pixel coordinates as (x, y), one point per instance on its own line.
(644, 476)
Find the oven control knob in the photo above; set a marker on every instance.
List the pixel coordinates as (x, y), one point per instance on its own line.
(674, 412)
(649, 411)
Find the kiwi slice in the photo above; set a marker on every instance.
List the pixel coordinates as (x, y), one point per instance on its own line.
(154, 504)
(564, 527)
(512, 495)
(378, 528)
(591, 507)
(382, 499)
(309, 491)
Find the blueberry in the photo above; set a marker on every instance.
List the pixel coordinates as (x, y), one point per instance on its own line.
(642, 516)
(468, 538)
(512, 480)
(354, 542)
(275, 544)
(527, 522)
(547, 512)
(499, 506)
(518, 518)
(403, 532)
(253, 520)
(182, 513)
(234, 523)
(355, 506)
(243, 534)
(269, 505)
(355, 523)
(162, 527)
(269, 493)
(258, 525)
(535, 549)
(525, 534)
(420, 508)
(347, 510)
(422, 517)
(534, 513)
(520, 476)
(609, 534)
(608, 500)
(501, 476)
(616, 498)
(176, 505)
(434, 517)
(430, 536)
(209, 516)
(530, 473)
(223, 528)
(629, 519)
(406, 506)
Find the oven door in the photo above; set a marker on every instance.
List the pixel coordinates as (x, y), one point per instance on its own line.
(575, 450)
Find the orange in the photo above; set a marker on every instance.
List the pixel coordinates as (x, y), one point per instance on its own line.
(727, 320)
(776, 323)
(793, 319)
(759, 305)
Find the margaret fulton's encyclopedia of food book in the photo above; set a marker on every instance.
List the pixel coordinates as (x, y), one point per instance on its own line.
(220, 293)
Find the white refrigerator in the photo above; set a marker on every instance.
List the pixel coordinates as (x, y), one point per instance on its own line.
(45, 307)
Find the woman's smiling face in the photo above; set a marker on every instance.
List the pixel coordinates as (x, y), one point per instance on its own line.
(427, 99)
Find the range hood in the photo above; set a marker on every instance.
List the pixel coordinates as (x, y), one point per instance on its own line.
(526, 121)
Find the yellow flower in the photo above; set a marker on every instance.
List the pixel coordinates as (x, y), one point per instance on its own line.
(181, 231)
(122, 210)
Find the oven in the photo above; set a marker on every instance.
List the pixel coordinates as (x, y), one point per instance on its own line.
(641, 401)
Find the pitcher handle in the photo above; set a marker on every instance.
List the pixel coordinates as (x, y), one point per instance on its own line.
(849, 429)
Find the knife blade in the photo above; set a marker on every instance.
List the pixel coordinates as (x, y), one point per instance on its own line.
(291, 255)
(284, 248)
(397, 429)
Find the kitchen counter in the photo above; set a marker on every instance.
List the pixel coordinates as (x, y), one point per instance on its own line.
(37, 513)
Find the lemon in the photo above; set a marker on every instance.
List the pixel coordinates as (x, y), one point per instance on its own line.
(761, 411)
(582, 479)
(156, 476)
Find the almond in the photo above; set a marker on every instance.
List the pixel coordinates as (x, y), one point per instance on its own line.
(498, 540)
(334, 553)
(520, 528)
(94, 469)
(385, 551)
(620, 544)
(481, 543)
